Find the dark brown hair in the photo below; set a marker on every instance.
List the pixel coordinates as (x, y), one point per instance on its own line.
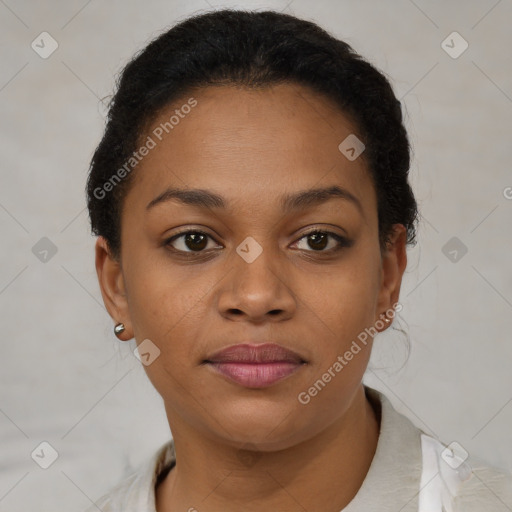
(252, 49)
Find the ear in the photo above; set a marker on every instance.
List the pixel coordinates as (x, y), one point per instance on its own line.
(394, 262)
(111, 281)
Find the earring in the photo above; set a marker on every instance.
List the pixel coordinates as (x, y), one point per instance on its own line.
(119, 329)
(386, 319)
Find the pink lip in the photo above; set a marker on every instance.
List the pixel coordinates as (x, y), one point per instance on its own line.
(255, 366)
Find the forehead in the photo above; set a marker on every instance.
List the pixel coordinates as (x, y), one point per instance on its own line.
(259, 142)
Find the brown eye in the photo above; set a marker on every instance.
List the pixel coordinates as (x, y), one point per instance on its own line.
(318, 241)
(323, 241)
(189, 241)
(196, 241)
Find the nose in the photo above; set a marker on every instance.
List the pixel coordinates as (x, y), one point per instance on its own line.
(258, 291)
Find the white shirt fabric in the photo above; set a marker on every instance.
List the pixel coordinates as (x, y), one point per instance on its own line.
(410, 472)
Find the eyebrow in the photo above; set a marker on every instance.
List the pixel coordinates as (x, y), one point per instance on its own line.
(289, 202)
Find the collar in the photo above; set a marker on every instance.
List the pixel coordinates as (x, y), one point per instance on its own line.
(393, 480)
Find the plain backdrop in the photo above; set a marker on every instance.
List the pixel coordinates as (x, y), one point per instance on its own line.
(64, 377)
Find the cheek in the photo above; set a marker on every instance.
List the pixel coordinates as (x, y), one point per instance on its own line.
(160, 292)
(167, 307)
(171, 304)
(341, 300)
(338, 315)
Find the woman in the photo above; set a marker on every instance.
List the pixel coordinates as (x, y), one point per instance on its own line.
(251, 200)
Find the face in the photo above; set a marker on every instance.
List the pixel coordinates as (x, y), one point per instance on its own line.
(238, 263)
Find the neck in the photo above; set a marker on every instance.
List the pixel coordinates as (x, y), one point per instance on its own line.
(323, 473)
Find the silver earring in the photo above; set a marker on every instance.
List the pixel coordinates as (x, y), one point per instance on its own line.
(119, 329)
(386, 319)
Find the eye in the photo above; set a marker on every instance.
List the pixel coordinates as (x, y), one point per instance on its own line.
(318, 241)
(195, 241)
(189, 241)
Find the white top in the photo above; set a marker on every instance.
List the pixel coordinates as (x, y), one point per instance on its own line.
(410, 472)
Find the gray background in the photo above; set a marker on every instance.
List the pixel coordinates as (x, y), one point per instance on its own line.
(64, 377)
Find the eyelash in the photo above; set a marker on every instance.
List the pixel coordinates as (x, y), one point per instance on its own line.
(342, 242)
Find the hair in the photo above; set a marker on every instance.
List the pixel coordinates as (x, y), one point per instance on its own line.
(252, 49)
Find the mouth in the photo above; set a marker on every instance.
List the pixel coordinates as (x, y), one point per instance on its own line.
(255, 366)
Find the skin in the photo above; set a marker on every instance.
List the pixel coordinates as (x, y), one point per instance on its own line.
(252, 147)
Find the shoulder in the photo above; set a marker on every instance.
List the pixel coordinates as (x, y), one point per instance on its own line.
(136, 493)
(487, 488)
(448, 478)
(123, 497)
(455, 481)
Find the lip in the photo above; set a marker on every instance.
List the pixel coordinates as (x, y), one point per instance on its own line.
(255, 365)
